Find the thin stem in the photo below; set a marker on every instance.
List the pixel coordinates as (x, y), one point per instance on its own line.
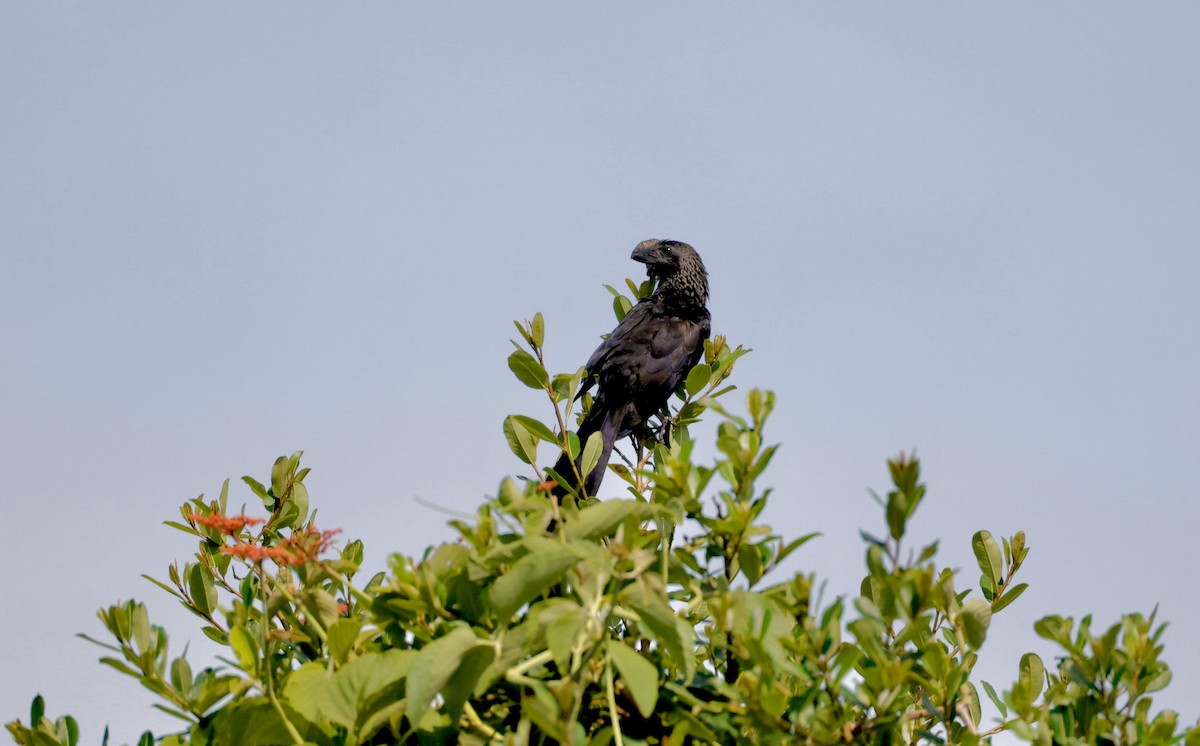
(518, 672)
(610, 690)
(267, 674)
(478, 724)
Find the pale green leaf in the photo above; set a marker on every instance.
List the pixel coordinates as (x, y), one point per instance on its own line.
(640, 676)
(989, 557)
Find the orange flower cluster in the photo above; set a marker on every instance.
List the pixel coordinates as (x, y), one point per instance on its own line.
(226, 524)
(297, 549)
(256, 553)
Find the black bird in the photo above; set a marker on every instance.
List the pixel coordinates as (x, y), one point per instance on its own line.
(647, 356)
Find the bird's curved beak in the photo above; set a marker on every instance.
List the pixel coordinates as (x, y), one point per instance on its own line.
(644, 251)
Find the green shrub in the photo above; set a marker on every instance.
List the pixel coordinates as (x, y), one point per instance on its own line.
(660, 617)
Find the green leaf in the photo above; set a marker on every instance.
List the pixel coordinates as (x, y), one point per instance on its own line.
(200, 585)
(995, 699)
(433, 668)
(750, 561)
(640, 676)
(279, 476)
(256, 486)
(530, 576)
(621, 306)
(458, 689)
(524, 334)
(337, 697)
(987, 554)
(673, 633)
(976, 616)
(697, 378)
(245, 721)
(215, 635)
(299, 496)
(321, 604)
(538, 329)
(564, 622)
(600, 519)
(141, 628)
(244, 647)
(341, 636)
(535, 427)
(69, 730)
(970, 697)
(793, 545)
(520, 441)
(528, 370)
(591, 453)
(1032, 674)
(897, 513)
(181, 675)
(1009, 596)
(120, 666)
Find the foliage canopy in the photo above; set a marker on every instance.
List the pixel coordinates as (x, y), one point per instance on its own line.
(660, 617)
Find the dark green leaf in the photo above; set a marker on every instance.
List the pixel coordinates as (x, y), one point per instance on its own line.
(528, 370)
(200, 585)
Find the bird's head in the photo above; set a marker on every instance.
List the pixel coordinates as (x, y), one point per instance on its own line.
(673, 263)
(663, 258)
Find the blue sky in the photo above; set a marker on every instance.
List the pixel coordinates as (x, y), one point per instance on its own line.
(228, 232)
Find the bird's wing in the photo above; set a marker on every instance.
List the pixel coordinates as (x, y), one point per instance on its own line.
(674, 347)
(630, 327)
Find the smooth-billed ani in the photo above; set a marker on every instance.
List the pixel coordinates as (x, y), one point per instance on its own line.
(647, 356)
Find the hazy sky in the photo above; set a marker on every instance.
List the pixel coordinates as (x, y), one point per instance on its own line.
(231, 231)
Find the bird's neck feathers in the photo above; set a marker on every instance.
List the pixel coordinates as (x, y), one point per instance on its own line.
(688, 287)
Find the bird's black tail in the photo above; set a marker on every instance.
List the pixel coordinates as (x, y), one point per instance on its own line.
(608, 424)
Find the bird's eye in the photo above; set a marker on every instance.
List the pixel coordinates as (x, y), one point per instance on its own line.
(668, 249)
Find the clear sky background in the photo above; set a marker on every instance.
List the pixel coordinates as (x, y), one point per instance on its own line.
(231, 231)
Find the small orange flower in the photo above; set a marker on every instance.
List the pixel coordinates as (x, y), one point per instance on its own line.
(297, 549)
(255, 553)
(226, 524)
